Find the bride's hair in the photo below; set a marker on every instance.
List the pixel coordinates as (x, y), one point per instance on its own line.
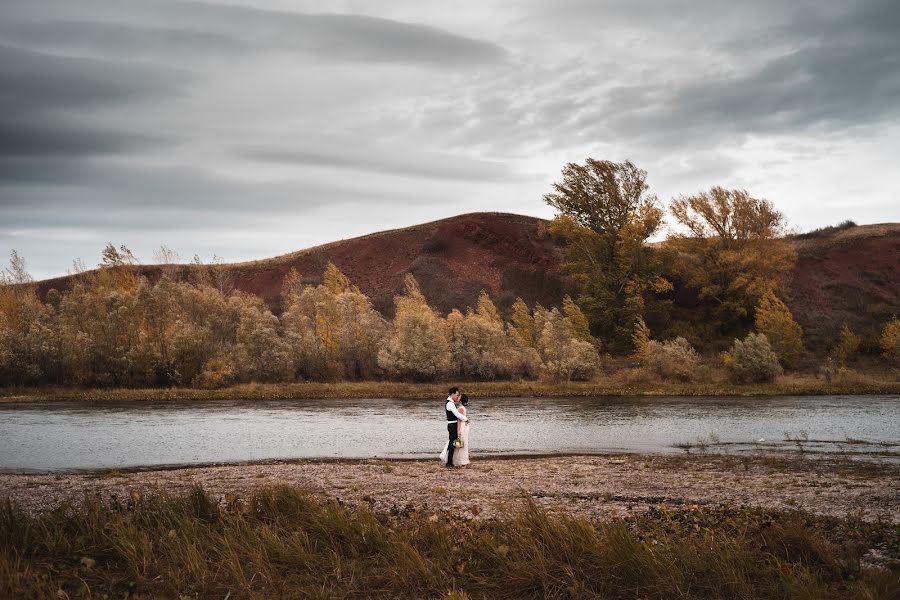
(464, 399)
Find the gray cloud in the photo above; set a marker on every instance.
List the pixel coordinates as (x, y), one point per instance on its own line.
(394, 161)
(38, 81)
(214, 28)
(159, 116)
(46, 101)
(837, 71)
(120, 39)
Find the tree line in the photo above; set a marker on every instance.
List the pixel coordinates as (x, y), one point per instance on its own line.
(720, 276)
(116, 328)
(727, 263)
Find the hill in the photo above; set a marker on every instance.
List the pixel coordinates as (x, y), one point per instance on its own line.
(848, 274)
(452, 259)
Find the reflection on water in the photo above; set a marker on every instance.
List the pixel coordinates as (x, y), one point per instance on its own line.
(61, 436)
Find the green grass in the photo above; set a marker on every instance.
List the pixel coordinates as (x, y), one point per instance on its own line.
(281, 542)
(387, 389)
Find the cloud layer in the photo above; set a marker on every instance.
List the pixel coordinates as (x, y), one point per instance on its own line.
(248, 131)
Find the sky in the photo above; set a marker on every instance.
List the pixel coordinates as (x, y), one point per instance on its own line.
(252, 129)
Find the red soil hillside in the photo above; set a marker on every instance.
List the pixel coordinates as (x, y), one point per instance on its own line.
(452, 259)
(851, 275)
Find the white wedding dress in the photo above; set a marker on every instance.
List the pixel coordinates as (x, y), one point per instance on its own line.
(460, 455)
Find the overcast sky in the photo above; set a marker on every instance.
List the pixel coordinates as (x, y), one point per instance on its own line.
(251, 129)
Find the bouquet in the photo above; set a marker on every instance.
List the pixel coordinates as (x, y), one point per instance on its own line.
(458, 443)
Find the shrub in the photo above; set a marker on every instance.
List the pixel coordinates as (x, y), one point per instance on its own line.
(674, 359)
(216, 373)
(565, 357)
(640, 339)
(752, 361)
(847, 345)
(774, 320)
(824, 231)
(890, 341)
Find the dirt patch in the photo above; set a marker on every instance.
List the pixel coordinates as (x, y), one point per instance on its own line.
(592, 486)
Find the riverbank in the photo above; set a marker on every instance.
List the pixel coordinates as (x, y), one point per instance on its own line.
(792, 386)
(591, 486)
(648, 526)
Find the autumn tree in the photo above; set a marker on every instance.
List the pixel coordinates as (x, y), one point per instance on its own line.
(564, 356)
(29, 330)
(774, 319)
(334, 331)
(483, 348)
(260, 352)
(640, 339)
(116, 268)
(523, 323)
(168, 259)
(417, 347)
(890, 341)
(100, 332)
(847, 345)
(606, 215)
(577, 322)
(733, 252)
(16, 273)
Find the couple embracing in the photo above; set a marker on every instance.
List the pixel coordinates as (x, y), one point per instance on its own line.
(456, 452)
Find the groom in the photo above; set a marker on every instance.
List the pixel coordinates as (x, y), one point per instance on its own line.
(453, 416)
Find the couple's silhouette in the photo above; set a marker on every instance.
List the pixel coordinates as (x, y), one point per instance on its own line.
(456, 452)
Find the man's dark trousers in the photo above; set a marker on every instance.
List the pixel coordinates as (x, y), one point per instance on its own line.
(451, 429)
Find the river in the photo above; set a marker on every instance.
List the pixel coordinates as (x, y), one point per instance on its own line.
(69, 436)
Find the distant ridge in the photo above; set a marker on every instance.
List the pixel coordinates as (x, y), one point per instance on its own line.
(841, 276)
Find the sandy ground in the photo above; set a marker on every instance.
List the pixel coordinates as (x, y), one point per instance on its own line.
(592, 486)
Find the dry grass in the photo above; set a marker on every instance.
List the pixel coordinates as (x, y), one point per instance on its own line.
(281, 542)
(633, 382)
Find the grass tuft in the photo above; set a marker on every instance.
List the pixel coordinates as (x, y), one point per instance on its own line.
(282, 542)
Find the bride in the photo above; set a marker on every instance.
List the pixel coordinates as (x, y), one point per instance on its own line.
(461, 454)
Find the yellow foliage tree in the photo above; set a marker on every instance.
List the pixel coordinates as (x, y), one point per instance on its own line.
(565, 357)
(333, 329)
(734, 252)
(418, 348)
(640, 339)
(577, 322)
(890, 341)
(847, 345)
(605, 214)
(774, 320)
(523, 322)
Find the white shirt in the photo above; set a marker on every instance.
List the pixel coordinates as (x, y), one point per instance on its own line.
(451, 406)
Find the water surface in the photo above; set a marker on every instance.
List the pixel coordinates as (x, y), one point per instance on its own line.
(58, 436)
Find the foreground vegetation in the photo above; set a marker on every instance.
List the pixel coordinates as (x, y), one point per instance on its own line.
(281, 542)
(793, 386)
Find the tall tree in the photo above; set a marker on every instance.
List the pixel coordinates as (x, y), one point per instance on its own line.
(333, 329)
(734, 252)
(640, 339)
(606, 215)
(522, 322)
(418, 348)
(565, 357)
(775, 321)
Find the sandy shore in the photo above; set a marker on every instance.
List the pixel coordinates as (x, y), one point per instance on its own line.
(592, 486)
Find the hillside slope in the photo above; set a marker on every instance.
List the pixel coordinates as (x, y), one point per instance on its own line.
(851, 275)
(452, 259)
